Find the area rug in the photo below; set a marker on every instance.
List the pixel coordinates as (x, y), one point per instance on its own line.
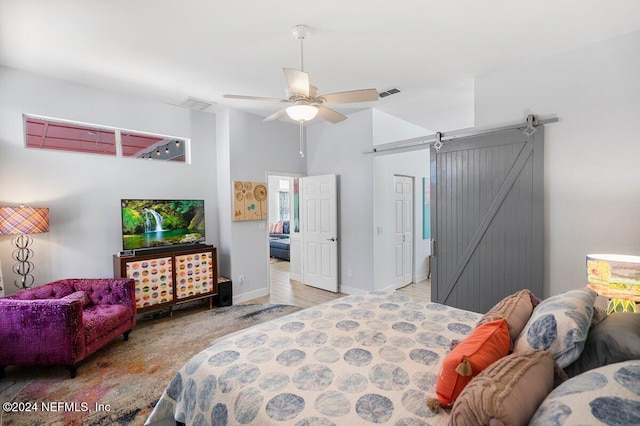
(120, 384)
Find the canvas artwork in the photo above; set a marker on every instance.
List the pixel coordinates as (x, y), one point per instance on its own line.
(249, 201)
(426, 209)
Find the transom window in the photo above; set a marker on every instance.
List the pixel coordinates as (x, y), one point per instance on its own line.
(61, 135)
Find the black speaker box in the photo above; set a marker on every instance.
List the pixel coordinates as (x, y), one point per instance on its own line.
(225, 294)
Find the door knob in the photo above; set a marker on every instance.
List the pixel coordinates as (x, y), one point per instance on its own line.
(331, 239)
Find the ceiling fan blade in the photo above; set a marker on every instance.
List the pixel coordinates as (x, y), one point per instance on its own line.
(255, 98)
(276, 115)
(364, 95)
(330, 115)
(297, 81)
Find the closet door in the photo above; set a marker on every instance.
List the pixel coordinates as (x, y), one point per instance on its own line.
(403, 230)
(487, 218)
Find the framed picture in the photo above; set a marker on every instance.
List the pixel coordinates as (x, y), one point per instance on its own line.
(250, 201)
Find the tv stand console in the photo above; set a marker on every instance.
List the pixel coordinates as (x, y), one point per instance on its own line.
(170, 277)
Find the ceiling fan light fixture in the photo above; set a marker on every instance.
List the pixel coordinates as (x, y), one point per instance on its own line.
(302, 112)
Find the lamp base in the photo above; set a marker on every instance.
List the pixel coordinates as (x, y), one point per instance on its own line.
(23, 255)
(621, 305)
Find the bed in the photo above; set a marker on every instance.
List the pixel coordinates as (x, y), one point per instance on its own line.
(364, 359)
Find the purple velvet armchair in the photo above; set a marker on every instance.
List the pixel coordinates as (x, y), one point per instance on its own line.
(63, 322)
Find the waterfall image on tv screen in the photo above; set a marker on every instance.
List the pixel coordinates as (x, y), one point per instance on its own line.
(159, 223)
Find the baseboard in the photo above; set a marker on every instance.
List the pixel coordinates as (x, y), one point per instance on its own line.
(388, 289)
(421, 276)
(352, 290)
(251, 295)
(295, 277)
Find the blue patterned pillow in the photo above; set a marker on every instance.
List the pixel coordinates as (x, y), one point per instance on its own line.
(609, 394)
(560, 325)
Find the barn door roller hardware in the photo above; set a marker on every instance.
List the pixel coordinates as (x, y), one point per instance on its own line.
(438, 143)
(531, 126)
(438, 139)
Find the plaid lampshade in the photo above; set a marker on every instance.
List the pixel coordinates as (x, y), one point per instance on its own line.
(24, 220)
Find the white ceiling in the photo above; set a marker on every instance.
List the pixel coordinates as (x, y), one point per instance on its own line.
(168, 50)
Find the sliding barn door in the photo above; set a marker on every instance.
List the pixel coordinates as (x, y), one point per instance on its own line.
(487, 218)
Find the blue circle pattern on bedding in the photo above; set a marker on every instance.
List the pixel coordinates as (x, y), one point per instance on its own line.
(606, 395)
(364, 359)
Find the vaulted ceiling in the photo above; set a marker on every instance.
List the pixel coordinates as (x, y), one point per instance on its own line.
(430, 49)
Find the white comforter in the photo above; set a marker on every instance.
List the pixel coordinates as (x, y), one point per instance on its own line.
(362, 359)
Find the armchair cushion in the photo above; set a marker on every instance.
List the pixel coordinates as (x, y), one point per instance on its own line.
(54, 290)
(99, 320)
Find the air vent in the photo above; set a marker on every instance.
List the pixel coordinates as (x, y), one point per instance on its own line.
(390, 92)
(198, 104)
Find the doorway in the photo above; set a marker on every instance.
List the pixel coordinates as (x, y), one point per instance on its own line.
(283, 230)
(387, 257)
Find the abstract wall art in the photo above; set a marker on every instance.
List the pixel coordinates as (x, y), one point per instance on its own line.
(250, 201)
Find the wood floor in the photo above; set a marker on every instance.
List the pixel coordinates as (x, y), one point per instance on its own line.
(290, 292)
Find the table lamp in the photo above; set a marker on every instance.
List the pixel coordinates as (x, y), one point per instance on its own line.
(22, 221)
(617, 277)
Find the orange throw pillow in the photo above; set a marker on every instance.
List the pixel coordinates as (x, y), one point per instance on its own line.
(486, 344)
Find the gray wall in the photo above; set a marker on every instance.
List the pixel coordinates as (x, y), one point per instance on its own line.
(339, 148)
(592, 195)
(251, 146)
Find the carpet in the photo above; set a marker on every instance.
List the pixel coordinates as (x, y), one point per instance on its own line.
(126, 379)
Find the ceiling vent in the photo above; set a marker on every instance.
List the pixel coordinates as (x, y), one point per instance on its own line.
(390, 92)
(198, 104)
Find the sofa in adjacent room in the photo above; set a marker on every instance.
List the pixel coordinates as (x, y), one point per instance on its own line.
(63, 322)
(279, 242)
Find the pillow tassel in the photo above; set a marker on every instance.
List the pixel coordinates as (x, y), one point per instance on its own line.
(434, 404)
(464, 368)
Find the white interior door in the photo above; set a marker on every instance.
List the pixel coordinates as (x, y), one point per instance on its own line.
(320, 232)
(403, 231)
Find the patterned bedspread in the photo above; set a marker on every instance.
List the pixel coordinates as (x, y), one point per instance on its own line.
(362, 359)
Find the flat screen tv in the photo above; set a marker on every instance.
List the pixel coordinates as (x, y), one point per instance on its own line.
(161, 223)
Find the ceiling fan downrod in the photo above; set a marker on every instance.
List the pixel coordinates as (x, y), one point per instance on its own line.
(301, 137)
(300, 32)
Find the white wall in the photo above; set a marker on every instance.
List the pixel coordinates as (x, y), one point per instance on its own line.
(592, 194)
(414, 164)
(339, 148)
(83, 191)
(388, 128)
(255, 147)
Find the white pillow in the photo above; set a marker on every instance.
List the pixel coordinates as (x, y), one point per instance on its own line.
(606, 395)
(560, 325)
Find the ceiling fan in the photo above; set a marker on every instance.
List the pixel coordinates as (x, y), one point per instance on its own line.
(307, 104)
